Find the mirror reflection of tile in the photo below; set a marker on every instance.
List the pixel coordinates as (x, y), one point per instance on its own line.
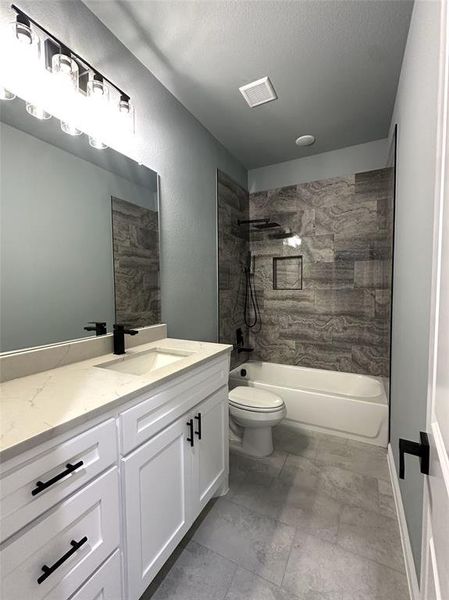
(135, 236)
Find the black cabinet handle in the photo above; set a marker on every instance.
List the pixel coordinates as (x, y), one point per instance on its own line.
(190, 426)
(49, 570)
(69, 468)
(421, 449)
(198, 431)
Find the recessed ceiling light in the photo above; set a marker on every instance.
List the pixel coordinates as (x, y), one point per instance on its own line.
(305, 140)
(258, 92)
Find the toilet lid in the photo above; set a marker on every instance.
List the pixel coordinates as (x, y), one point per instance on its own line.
(253, 398)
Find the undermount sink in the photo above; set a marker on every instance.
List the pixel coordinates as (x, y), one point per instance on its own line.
(145, 362)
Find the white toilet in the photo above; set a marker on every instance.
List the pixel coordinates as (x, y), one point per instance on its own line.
(252, 414)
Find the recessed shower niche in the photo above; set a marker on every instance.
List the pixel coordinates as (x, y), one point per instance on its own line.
(287, 273)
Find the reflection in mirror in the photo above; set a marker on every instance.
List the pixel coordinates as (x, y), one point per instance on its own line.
(73, 220)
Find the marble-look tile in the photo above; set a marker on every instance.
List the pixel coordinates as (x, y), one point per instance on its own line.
(348, 487)
(382, 304)
(344, 329)
(135, 238)
(335, 275)
(289, 301)
(318, 567)
(372, 274)
(344, 302)
(336, 357)
(255, 542)
(353, 456)
(371, 360)
(248, 586)
(341, 221)
(325, 192)
(345, 217)
(371, 535)
(318, 248)
(196, 573)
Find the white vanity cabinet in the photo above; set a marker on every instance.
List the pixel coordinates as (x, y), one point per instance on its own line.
(96, 511)
(167, 482)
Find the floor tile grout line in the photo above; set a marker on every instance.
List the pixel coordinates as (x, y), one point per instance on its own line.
(232, 578)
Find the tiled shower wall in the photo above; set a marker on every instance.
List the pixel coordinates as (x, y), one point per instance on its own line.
(233, 249)
(337, 313)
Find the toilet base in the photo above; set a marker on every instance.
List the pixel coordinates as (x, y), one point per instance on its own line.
(255, 442)
(258, 441)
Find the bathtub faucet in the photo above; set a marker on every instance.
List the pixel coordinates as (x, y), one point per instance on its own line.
(240, 345)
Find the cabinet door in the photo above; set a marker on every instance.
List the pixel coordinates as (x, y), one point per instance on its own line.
(211, 446)
(157, 493)
(105, 584)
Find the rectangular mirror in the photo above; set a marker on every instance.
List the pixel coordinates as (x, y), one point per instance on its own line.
(79, 234)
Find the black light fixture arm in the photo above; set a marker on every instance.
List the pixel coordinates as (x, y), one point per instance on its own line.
(66, 49)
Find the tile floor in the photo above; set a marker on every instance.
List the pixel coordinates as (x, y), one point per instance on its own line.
(314, 521)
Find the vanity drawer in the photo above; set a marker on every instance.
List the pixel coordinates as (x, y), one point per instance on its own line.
(22, 499)
(150, 416)
(105, 584)
(71, 542)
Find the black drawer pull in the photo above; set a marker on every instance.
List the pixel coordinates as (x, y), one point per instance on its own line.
(198, 431)
(190, 426)
(49, 570)
(69, 468)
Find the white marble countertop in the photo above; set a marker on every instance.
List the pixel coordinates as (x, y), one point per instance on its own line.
(40, 406)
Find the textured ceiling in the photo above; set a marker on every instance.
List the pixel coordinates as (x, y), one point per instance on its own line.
(334, 64)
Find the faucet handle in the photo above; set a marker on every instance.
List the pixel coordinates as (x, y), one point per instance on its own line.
(125, 329)
(99, 327)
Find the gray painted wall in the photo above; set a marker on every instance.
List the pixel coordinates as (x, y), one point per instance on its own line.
(55, 241)
(338, 163)
(415, 113)
(179, 148)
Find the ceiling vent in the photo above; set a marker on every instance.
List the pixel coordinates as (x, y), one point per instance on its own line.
(258, 92)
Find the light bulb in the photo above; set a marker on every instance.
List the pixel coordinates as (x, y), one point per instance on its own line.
(70, 129)
(97, 89)
(6, 94)
(38, 112)
(66, 71)
(27, 41)
(96, 143)
(126, 113)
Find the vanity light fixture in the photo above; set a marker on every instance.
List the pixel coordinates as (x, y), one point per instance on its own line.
(6, 94)
(59, 82)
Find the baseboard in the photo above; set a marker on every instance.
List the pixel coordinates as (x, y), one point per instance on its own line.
(410, 570)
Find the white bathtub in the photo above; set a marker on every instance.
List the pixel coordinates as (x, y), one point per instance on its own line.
(344, 404)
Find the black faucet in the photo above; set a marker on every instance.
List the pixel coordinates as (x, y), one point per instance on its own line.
(98, 326)
(240, 346)
(119, 337)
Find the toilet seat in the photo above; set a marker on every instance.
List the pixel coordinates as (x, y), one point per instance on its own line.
(255, 400)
